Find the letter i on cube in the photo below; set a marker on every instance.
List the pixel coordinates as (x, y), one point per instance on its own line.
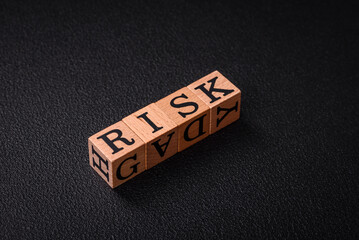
(160, 130)
(157, 131)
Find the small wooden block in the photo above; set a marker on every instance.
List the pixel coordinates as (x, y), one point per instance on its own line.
(117, 154)
(190, 114)
(157, 131)
(221, 96)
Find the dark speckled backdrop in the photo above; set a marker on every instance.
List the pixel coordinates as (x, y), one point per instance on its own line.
(288, 169)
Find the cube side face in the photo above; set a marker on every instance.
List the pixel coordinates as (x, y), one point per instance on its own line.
(111, 148)
(225, 113)
(100, 163)
(157, 131)
(190, 113)
(218, 93)
(128, 166)
(161, 148)
(193, 131)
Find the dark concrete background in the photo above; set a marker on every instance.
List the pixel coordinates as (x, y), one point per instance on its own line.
(288, 169)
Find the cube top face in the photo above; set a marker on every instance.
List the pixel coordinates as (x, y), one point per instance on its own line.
(182, 106)
(214, 89)
(149, 122)
(116, 141)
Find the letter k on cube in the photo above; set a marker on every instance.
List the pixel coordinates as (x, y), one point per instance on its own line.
(161, 129)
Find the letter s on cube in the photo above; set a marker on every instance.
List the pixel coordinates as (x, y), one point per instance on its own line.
(190, 114)
(117, 154)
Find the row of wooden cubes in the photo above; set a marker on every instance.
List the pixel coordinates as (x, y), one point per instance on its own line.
(161, 129)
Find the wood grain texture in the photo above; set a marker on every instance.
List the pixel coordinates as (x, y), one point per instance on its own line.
(221, 96)
(117, 154)
(190, 114)
(158, 132)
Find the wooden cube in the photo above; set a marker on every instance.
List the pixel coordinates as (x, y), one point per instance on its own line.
(117, 154)
(221, 96)
(190, 114)
(157, 131)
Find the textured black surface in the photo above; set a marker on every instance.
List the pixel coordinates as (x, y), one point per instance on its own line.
(287, 169)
